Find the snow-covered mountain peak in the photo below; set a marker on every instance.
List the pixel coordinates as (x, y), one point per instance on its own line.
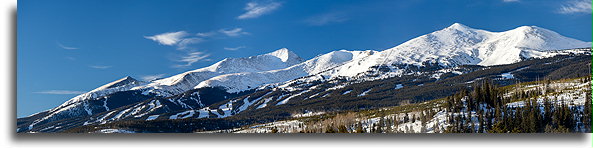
(122, 84)
(278, 59)
(341, 56)
(117, 83)
(333, 59)
(284, 54)
(539, 39)
(532, 31)
(458, 26)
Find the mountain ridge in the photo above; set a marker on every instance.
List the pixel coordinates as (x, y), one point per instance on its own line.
(460, 45)
(453, 46)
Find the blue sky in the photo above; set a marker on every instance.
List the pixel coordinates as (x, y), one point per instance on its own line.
(67, 47)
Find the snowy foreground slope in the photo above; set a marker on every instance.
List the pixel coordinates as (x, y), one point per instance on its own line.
(441, 51)
(433, 116)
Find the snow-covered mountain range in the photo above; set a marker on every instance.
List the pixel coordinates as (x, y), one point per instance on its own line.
(461, 45)
(453, 46)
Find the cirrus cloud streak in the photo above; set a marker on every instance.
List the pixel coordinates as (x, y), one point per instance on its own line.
(256, 9)
(576, 6)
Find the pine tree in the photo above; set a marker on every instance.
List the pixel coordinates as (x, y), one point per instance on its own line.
(380, 125)
(342, 129)
(547, 110)
(329, 129)
(481, 122)
(359, 128)
(448, 103)
(406, 118)
(274, 130)
(587, 113)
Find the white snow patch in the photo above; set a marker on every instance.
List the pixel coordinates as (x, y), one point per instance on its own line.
(186, 114)
(115, 131)
(399, 86)
(507, 75)
(204, 113)
(365, 92)
(265, 103)
(347, 92)
(152, 117)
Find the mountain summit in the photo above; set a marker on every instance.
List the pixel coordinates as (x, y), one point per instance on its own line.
(458, 26)
(121, 82)
(285, 55)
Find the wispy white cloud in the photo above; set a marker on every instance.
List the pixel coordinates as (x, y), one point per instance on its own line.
(71, 58)
(169, 38)
(257, 9)
(60, 92)
(326, 18)
(206, 34)
(66, 47)
(234, 48)
(576, 6)
(181, 39)
(233, 32)
(184, 43)
(508, 1)
(191, 58)
(100, 66)
(151, 77)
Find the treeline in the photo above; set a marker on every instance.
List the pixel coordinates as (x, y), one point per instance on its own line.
(493, 115)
